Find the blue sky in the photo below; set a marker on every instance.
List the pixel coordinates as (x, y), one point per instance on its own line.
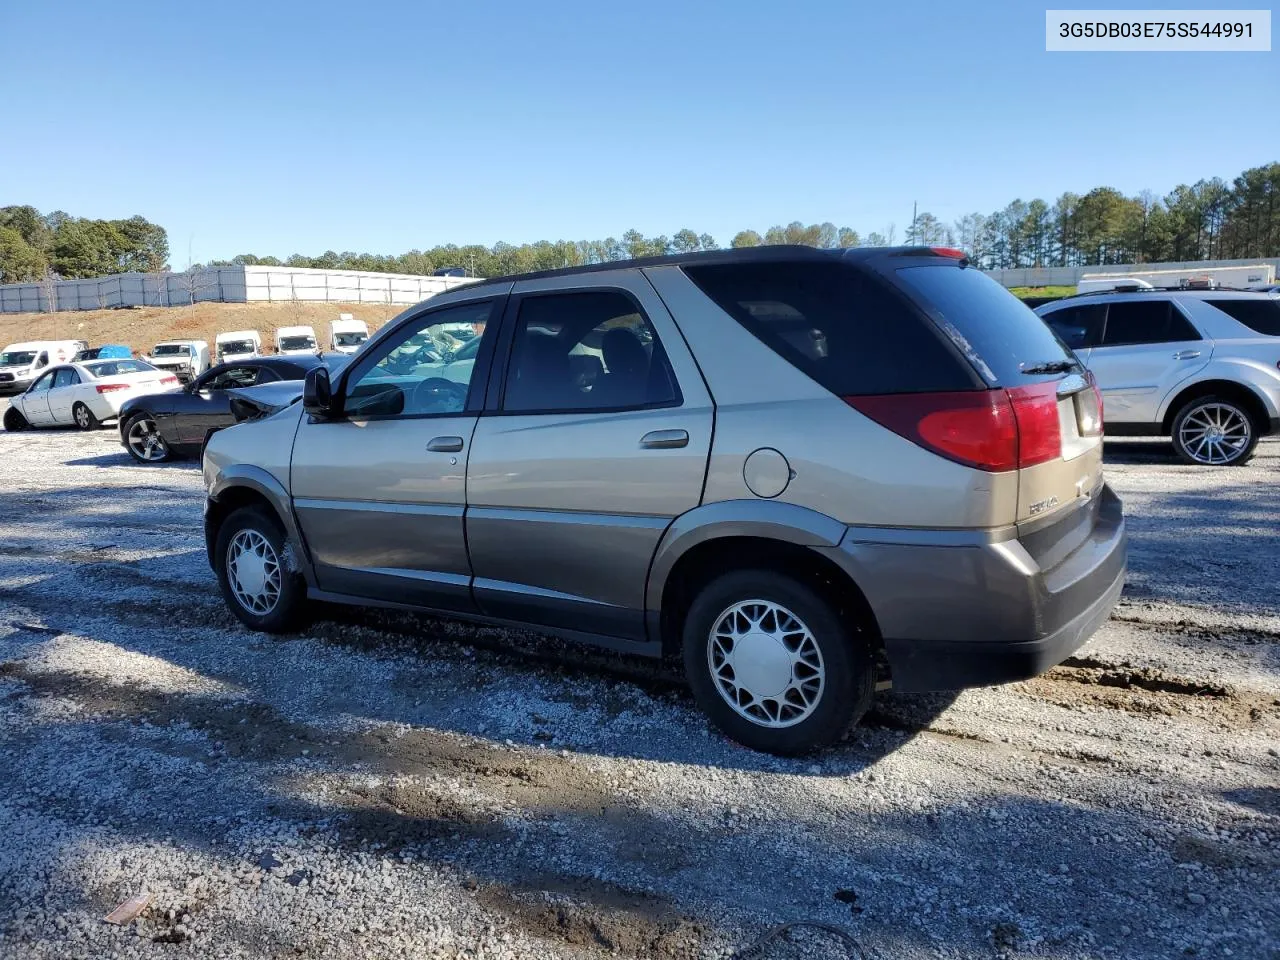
(279, 127)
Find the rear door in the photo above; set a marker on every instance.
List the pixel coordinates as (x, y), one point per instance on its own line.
(62, 395)
(595, 437)
(1148, 346)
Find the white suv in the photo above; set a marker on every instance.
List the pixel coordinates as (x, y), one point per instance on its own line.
(1199, 366)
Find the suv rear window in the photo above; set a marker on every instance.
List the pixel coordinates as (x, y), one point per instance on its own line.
(999, 333)
(1261, 315)
(842, 328)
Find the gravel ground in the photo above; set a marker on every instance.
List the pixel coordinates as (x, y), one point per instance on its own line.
(389, 786)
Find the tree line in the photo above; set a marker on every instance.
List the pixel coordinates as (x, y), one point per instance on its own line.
(33, 245)
(1208, 220)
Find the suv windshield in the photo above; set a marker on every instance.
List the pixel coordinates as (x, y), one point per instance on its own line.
(171, 350)
(351, 339)
(1261, 315)
(999, 333)
(297, 343)
(235, 347)
(17, 358)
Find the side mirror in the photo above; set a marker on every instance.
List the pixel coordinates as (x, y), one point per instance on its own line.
(317, 394)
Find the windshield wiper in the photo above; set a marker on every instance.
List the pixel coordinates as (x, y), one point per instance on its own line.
(1050, 366)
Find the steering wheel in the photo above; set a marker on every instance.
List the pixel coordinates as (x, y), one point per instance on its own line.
(436, 394)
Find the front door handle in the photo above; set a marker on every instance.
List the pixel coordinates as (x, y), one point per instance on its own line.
(665, 439)
(1186, 354)
(444, 444)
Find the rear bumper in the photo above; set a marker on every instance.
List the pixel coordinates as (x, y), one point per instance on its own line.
(956, 615)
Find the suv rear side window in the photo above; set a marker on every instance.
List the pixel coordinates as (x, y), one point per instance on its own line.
(845, 330)
(1079, 326)
(1000, 334)
(1261, 316)
(1145, 321)
(586, 351)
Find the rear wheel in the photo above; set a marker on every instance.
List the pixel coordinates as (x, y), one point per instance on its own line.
(84, 417)
(1214, 431)
(258, 583)
(774, 664)
(14, 421)
(143, 440)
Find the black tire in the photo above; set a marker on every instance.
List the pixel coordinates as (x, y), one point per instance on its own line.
(289, 609)
(14, 421)
(1213, 408)
(84, 418)
(848, 686)
(165, 453)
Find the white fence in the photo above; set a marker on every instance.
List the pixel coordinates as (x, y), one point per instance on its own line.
(225, 284)
(1069, 276)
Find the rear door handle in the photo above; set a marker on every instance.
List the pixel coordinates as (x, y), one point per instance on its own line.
(665, 439)
(444, 444)
(1186, 354)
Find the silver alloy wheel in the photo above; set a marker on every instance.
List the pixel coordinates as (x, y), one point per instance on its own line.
(82, 416)
(145, 440)
(1215, 433)
(253, 572)
(765, 663)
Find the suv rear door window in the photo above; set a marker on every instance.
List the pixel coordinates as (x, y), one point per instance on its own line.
(586, 351)
(1145, 321)
(1260, 315)
(1000, 334)
(1079, 326)
(842, 328)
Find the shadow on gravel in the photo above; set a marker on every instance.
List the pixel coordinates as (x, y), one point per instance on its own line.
(1136, 452)
(122, 459)
(574, 854)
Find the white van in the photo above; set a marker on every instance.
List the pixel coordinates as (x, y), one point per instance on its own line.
(1092, 283)
(236, 345)
(185, 359)
(20, 363)
(347, 333)
(292, 341)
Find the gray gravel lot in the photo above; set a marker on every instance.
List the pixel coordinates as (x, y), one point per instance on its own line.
(388, 786)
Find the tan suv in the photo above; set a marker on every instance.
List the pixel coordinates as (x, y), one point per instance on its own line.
(809, 472)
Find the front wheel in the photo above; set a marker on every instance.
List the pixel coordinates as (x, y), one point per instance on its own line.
(84, 417)
(1214, 431)
(14, 421)
(774, 664)
(257, 579)
(143, 440)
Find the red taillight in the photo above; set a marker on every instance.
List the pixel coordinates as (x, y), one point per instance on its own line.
(992, 430)
(168, 379)
(111, 387)
(949, 252)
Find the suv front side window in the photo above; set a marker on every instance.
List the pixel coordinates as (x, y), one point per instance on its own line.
(586, 351)
(412, 373)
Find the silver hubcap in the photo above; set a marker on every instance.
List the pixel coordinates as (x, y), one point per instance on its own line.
(82, 417)
(1215, 433)
(765, 663)
(253, 571)
(145, 440)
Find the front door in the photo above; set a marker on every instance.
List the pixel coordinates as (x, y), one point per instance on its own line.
(1147, 348)
(600, 437)
(380, 493)
(35, 401)
(206, 406)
